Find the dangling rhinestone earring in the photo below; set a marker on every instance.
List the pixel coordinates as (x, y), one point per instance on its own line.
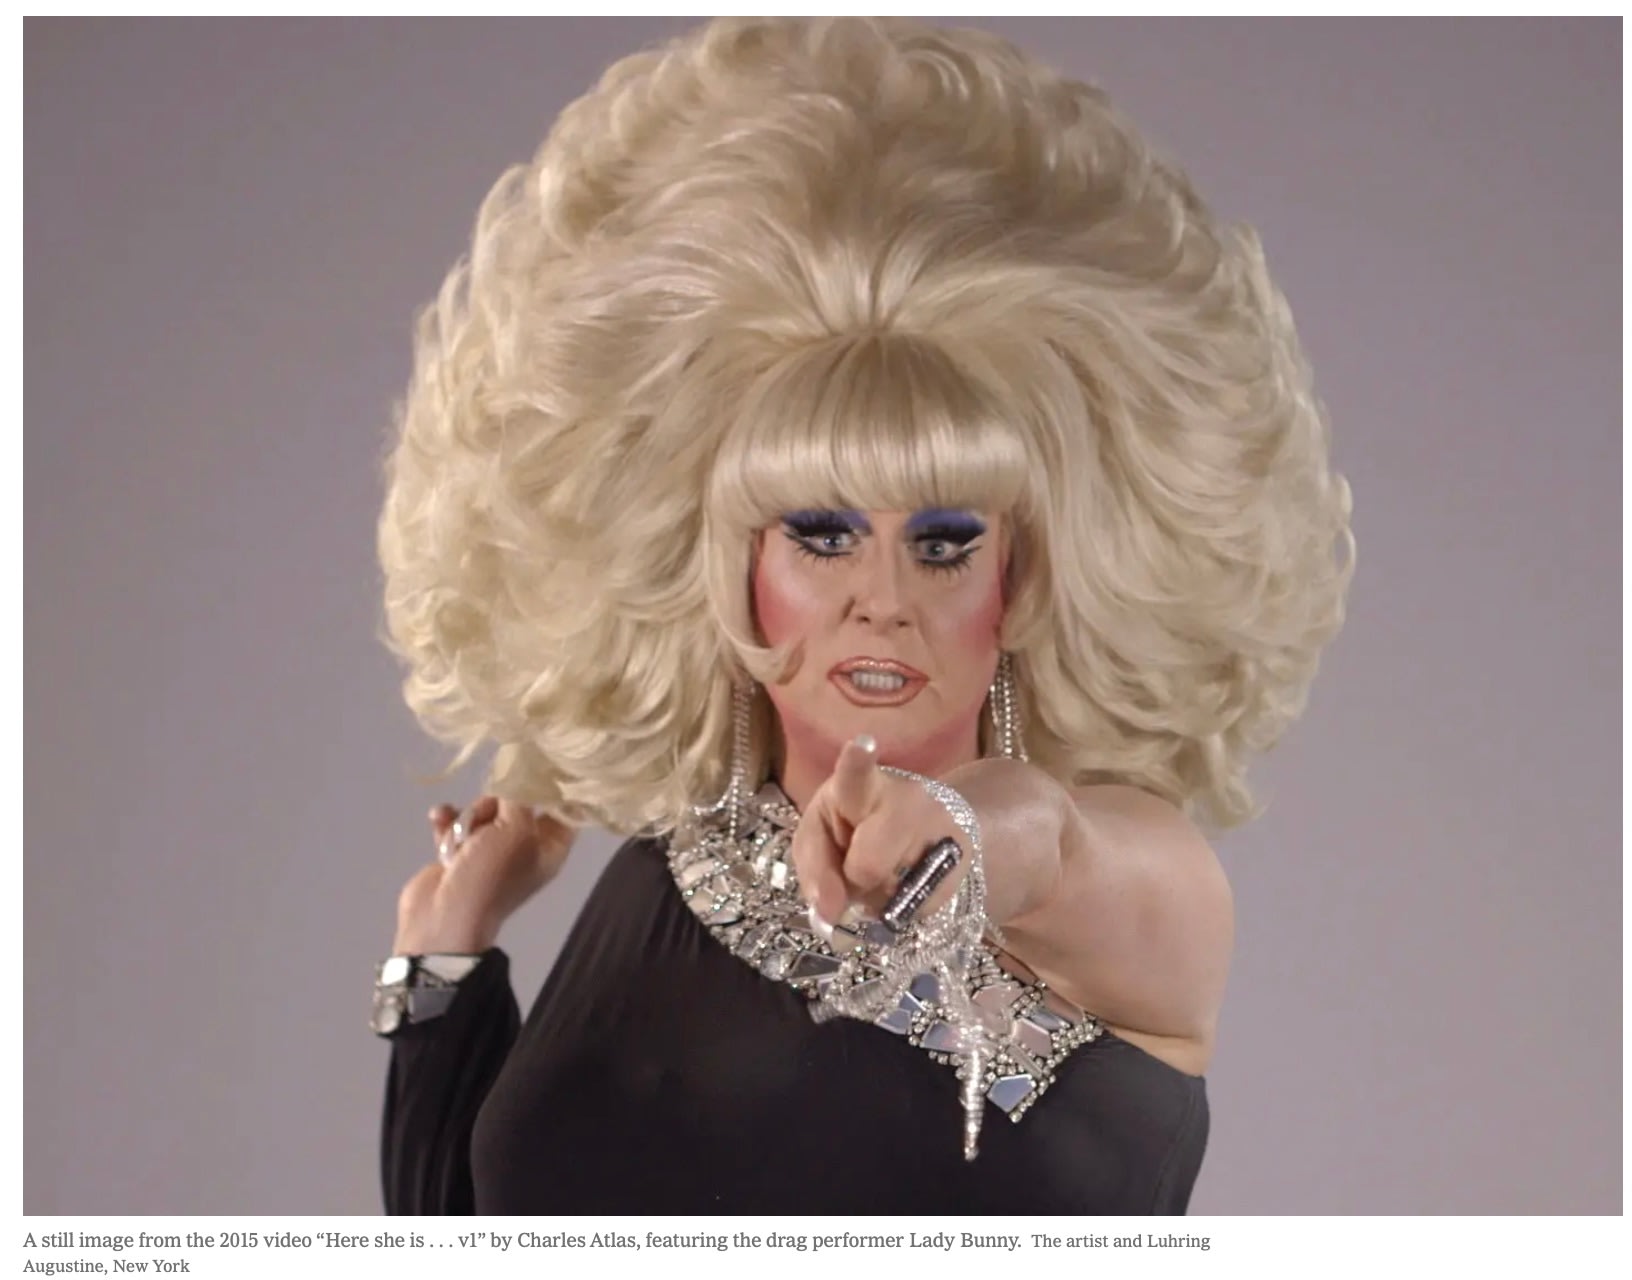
(742, 707)
(735, 797)
(1006, 711)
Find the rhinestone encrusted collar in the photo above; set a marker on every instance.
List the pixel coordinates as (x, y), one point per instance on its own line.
(746, 894)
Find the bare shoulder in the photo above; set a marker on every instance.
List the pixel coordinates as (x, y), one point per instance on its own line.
(1190, 979)
(1119, 802)
(1137, 819)
(1129, 817)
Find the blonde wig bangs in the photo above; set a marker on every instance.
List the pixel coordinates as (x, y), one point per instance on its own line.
(855, 263)
(878, 422)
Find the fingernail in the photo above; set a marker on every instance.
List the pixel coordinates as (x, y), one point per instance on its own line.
(867, 742)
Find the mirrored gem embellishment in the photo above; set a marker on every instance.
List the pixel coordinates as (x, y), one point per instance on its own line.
(867, 992)
(746, 897)
(1033, 1039)
(812, 964)
(1008, 1091)
(941, 1037)
(925, 988)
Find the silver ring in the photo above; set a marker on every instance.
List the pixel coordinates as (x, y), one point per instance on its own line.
(454, 840)
(921, 881)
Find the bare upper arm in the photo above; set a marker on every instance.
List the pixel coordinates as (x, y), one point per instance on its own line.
(1144, 938)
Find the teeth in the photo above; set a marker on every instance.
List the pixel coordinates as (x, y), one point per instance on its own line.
(876, 680)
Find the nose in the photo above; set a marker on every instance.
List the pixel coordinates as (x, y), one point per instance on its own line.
(880, 590)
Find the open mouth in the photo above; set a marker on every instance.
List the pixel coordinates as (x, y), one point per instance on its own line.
(876, 689)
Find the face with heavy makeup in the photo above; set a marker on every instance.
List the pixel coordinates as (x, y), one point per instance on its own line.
(914, 594)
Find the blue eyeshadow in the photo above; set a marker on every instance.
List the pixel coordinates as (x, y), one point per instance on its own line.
(857, 522)
(946, 520)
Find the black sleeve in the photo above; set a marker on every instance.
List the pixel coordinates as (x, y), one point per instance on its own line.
(440, 1073)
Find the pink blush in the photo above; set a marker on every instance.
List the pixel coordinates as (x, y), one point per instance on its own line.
(776, 613)
(982, 626)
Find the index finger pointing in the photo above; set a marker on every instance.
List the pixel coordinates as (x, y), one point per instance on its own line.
(856, 779)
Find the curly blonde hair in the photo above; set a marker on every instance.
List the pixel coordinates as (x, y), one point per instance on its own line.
(869, 264)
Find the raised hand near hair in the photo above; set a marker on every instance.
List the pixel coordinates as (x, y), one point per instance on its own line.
(459, 905)
(862, 832)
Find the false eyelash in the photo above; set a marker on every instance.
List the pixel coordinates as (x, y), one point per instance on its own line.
(819, 556)
(819, 526)
(798, 530)
(957, 564)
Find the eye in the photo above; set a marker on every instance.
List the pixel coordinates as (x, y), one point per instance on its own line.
(820, 537)
(949, 549)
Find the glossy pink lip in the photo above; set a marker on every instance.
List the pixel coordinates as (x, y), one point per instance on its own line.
(916, 680)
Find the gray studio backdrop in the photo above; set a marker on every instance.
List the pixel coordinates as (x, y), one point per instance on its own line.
(229, 227)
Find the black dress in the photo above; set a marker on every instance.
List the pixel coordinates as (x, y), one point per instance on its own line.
(659, 1074)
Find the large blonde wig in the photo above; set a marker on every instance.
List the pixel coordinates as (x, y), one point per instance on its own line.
(870, 264)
